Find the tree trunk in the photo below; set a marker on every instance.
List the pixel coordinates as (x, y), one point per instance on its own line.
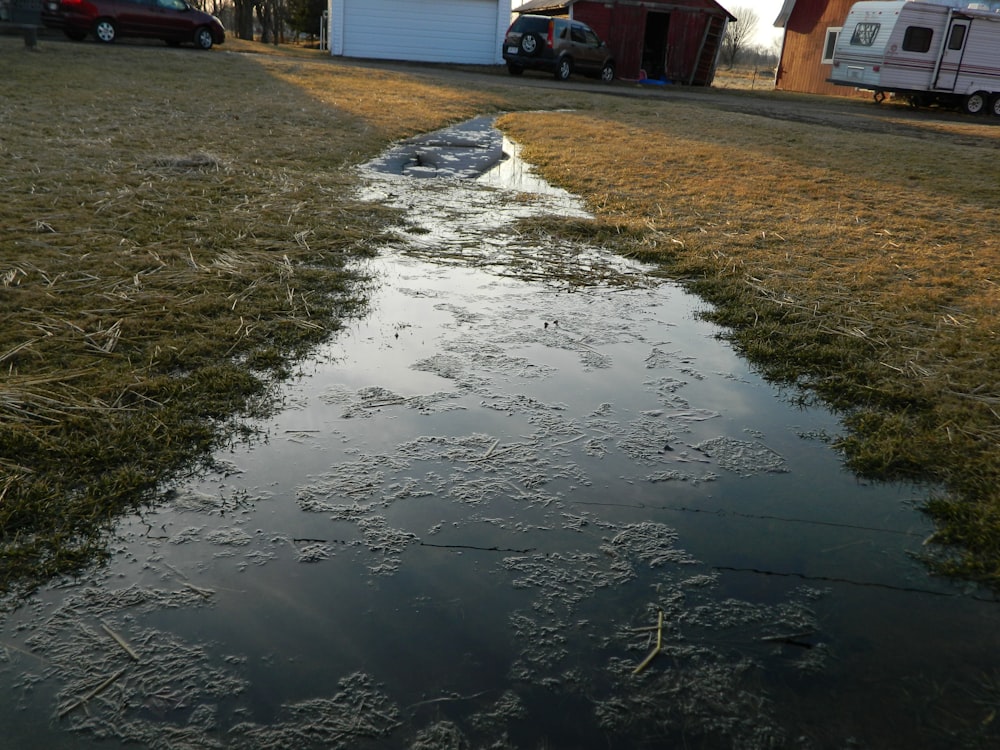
(244, 19)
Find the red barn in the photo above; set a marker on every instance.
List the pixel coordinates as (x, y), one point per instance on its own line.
(811, 30)
(677, 41)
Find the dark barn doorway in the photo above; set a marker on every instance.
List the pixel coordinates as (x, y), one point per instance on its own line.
(654, 45)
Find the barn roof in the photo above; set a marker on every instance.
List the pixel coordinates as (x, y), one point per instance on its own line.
(541, 5)
(563, 5)
(786, 10)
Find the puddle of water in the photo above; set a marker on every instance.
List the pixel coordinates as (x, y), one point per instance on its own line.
(464, 525)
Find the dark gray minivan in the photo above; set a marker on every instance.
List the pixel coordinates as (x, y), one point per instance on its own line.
(558, 45)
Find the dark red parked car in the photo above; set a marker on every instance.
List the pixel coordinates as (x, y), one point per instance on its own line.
(173, 21)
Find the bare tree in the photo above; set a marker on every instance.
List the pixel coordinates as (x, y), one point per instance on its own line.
(739, 33)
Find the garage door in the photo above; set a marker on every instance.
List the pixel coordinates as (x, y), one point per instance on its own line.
(458, 31)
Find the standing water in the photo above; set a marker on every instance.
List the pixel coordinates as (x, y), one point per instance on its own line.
(511, 508)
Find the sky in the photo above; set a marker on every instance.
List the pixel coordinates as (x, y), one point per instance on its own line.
(767, 11)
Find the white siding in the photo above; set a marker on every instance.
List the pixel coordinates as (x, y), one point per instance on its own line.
(887, 64)
(980, 69)
(451, 31)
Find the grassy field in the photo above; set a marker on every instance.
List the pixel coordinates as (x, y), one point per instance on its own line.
(177, 229)
(861, 266)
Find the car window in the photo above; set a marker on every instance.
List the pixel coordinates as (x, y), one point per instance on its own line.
(577, 35)
(172, 4)
(592, 39)
(530, 23)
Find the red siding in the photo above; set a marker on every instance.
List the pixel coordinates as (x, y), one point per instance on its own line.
(801, 68)
(687, 32)
(597, 16)
(623, 26)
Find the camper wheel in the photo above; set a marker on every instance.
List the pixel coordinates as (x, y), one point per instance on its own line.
(879, 97)
(995, 105)
(974, 104)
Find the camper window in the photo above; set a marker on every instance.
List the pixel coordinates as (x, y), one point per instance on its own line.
(864, 34)
(957, 37)
(917, 38)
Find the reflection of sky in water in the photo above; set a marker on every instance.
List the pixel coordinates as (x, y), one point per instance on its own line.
(471, 499)
(514, 174)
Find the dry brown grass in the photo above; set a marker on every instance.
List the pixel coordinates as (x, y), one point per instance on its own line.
(740, 77)
(175, 228)
(862, 266)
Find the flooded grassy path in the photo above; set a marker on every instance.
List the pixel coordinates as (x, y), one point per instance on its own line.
(465, 524)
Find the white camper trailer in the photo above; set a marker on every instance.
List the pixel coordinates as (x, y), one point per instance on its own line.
(927, 52)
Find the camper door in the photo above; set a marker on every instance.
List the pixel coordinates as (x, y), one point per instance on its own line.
(951, 56)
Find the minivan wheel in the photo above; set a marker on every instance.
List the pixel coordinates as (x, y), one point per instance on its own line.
(203, 38)
(105, 31)
(531, 44)
(563, 69)
(608, 73)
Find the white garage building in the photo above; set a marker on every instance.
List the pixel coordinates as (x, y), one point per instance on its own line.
(448, 31)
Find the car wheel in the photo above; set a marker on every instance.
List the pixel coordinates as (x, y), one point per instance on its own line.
(203, 38)
(105, 31)
(608, 73)
(531, 44)
(974, 104)
(564, 68)
(514, 70)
